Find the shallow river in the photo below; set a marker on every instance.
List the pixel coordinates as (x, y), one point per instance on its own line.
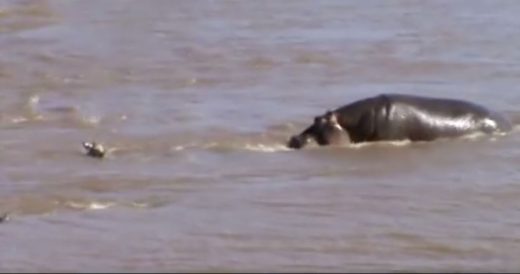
(195, 100)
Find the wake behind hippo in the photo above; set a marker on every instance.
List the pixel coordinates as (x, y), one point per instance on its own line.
(395, 117)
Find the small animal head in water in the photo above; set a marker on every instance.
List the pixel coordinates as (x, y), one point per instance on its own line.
(94, 149)
(324, 131)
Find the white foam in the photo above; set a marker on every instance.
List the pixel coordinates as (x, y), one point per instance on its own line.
(187, 146)
(34, 100)
(400, 143)
(91, 205)
(18, 120)
(22, 119)
(267, 148)
(92, 120)
(98, 206)
(473, 136)
(179, 148)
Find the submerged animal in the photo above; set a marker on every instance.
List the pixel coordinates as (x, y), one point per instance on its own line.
(94, 149)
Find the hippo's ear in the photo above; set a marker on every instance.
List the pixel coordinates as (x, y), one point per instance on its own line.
(319, 120)
(330, 117)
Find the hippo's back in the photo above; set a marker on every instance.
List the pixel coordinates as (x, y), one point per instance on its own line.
(425, 118)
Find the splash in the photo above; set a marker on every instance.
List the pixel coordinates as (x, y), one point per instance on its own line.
(400, 143)
(19, 120)
(179, 148)
(191, 145)
(33, 101)
(226, 146)
(98, 206)
(476, 135)
(266, 148)
(91, 120)
(90, 205)
(83, 205)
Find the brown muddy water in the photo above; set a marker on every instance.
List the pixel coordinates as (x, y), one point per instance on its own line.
(196, 99)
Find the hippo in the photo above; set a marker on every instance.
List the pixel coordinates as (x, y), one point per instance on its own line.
(397, 117)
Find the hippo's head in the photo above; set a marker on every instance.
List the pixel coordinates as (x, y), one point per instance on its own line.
(324, 131)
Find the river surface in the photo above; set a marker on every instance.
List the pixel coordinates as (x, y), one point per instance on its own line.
(195, 100)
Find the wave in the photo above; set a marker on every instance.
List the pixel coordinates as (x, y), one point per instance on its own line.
(30, 112)
(23, 205)
(267, 147)
(253, 143)
(99, 205)
(260, 147)
(89, 205)
(273, 147)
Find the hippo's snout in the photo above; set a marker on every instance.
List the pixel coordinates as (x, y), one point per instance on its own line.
(297, 142)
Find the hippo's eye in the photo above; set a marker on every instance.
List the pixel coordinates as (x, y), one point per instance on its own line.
(319, 120)
(329, 116)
